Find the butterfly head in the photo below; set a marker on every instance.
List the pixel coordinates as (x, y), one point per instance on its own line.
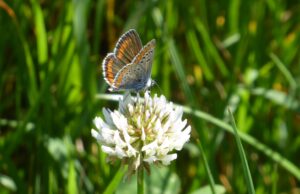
(150, 83)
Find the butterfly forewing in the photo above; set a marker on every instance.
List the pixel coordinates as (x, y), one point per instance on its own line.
(128, 46)
(145, 58)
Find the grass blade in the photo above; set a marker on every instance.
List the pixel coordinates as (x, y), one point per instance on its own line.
(284, 70)
(180, 70)
(194, 44)
(242, 154)
(41, 33)
(208, 171)
(114, 183)
(210, 46)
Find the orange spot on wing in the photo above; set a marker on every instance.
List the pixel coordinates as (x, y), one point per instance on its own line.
(122, 49)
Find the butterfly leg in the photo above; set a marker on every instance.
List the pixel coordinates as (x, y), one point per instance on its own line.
(137, 97)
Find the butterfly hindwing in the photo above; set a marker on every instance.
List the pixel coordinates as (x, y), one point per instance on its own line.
(111, 66)
(130, 77)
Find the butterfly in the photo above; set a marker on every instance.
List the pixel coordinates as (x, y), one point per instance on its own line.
(129, 66)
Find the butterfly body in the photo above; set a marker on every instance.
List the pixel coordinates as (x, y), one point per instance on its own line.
(129, 66)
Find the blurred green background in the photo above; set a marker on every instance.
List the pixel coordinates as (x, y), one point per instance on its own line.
(210, 56)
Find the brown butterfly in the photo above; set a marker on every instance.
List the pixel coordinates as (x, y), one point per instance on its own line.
(129, 66)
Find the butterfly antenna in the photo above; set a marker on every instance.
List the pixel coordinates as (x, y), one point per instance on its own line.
(157, 86)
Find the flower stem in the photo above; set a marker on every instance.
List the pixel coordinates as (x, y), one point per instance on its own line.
(140, 180)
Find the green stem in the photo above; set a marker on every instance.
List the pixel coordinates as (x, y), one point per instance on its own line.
(140, 180)
(210, 177)
(242, 154)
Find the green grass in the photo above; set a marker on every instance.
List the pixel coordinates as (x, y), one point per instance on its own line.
(209, 56)
(246, 171)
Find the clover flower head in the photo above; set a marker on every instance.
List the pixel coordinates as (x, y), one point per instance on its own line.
(142, 132)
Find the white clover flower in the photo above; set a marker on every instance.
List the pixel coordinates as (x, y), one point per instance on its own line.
(142, 132)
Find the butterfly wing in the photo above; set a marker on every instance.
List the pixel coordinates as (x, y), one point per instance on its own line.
(111, 66)
(145, 58)
(135, 75)
(127, 47)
